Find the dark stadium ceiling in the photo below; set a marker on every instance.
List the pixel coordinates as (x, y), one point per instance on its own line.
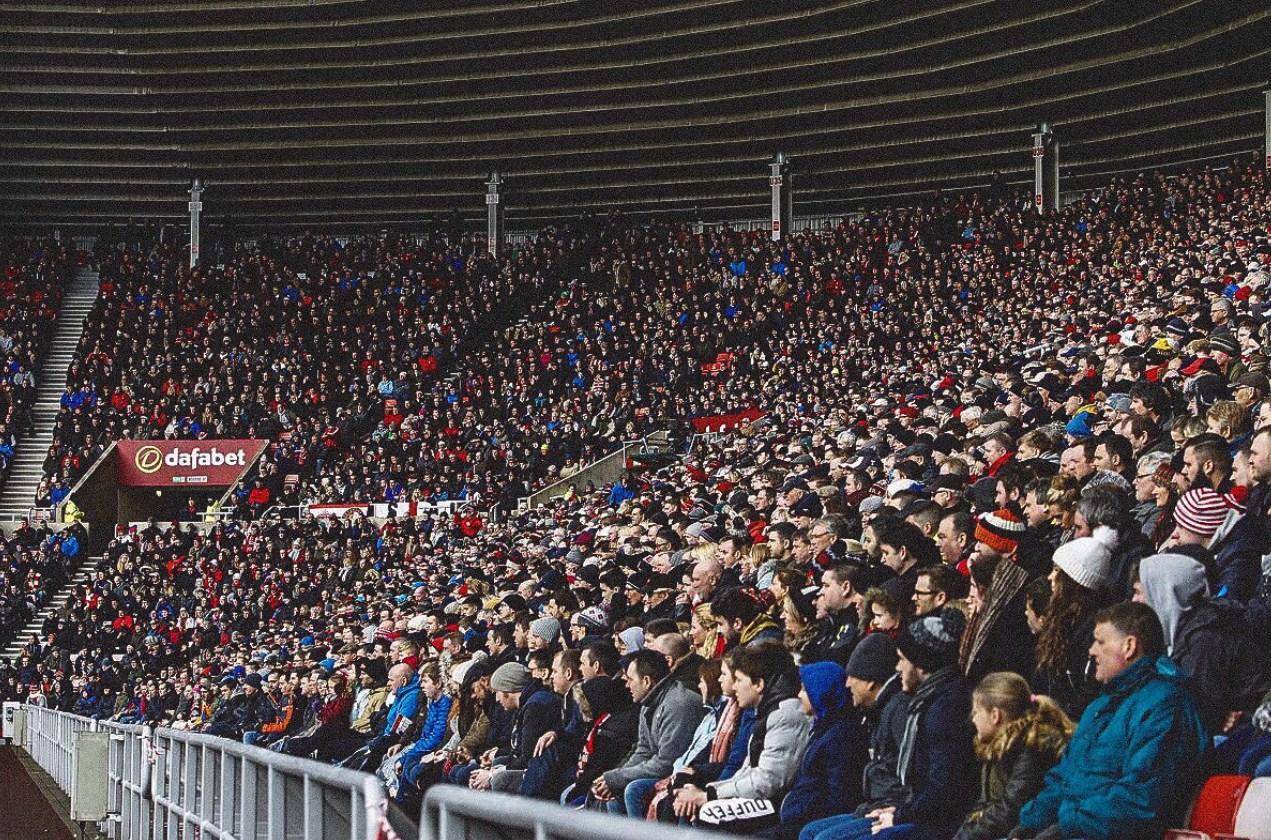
(338, 114)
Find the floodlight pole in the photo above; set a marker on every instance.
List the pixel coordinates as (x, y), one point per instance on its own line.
(494, 214)
(1045, 169)
(782, 195)
(196, 207)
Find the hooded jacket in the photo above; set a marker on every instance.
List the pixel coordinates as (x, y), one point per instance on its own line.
(775, 748)
(1238, 549)
(1225, 672)
(405, 707)
(668, 718)
(538, 714)
(615, 721)
(1133, 762)
(828, 781)
(1013, 767)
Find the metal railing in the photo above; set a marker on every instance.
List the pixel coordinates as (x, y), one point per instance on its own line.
(456, 813)
(604, 470)
(165, 783)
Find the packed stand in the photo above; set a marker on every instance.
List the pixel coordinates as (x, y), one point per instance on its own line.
(990, 566)
(314, 343)
(36, 272)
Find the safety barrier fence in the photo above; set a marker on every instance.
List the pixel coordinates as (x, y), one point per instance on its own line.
(166, 784)
(455, 813)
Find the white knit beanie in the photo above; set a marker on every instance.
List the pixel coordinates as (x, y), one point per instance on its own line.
(1088, 560)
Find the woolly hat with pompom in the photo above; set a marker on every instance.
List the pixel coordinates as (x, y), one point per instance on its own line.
(1088, 560)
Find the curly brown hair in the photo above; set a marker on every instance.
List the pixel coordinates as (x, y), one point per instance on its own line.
(1070, 604)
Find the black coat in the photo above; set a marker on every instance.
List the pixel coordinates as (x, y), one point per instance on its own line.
(1226, 669)
(1010, 645)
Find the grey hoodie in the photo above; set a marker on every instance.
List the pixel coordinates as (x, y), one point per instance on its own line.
(668, 720)
(1173, 584)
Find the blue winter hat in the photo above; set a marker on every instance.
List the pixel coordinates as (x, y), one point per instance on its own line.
(1079, 425)
(825, 683)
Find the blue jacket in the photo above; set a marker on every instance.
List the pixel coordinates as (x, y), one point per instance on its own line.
(1131, 766)
(405, 706)
(829, 778)
(432, 736)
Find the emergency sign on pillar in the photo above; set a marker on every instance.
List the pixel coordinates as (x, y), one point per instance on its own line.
(494, 214)
(1045, 169)
(782, 196)
(196, 207)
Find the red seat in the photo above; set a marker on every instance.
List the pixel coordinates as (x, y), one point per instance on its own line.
(1215, 807)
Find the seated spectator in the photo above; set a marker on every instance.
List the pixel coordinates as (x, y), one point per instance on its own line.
(834, 761)
(936, 764)
(764, 679)
(535, 712)
(1019, 737)
(1135, 757)
(669, 714)
(1078, 583)
(1226, 670)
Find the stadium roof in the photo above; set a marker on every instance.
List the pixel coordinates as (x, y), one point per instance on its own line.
(325, 113)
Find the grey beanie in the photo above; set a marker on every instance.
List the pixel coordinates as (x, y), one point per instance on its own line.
(546, 628)
(931, 641)
(511, 677)
(874, 659)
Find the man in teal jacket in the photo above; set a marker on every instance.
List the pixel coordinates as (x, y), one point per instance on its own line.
(1136, 755)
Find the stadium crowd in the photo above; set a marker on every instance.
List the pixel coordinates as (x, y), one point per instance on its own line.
(989, 565)
(36, 272)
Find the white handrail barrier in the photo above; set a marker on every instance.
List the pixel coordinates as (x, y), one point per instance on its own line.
(166, 783)
(457, 813)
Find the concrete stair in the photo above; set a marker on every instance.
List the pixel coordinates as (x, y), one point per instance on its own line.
(82, 574)
(27, 468)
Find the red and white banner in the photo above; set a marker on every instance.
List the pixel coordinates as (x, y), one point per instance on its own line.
(723, 422)
(183, 463)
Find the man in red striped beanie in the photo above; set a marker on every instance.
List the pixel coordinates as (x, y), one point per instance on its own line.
(1199, 514)
(998, 533)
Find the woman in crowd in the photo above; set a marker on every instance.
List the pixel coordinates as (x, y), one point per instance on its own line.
(1078, 583)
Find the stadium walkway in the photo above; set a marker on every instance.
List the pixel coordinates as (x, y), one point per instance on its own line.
(27, 809)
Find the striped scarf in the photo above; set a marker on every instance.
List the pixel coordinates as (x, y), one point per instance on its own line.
(725, 732)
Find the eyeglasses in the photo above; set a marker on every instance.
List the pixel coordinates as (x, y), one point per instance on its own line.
(1146, 475)
(918, 593)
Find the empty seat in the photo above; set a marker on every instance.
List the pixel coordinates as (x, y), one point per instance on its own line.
(1253, 819)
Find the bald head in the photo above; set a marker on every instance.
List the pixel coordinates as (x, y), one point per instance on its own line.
(706, 575)
(399, 675)
(674, 646)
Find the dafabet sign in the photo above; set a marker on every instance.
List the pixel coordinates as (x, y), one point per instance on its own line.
(165, 463)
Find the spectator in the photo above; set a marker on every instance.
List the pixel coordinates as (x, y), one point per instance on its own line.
(669, 714)
(1134, 759)
(1019, 738)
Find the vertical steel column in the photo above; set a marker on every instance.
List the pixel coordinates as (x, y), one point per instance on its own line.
(196, 207)
(1045, 169)
(1266, 106)
(782, 195)
(493, 214)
